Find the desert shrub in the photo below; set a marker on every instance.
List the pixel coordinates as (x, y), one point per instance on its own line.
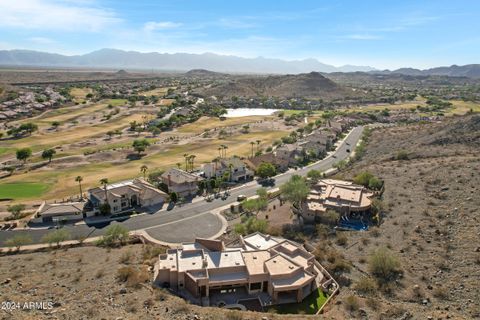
(152, 251)
(133, 277)
(366, 285)
(331, 217)
(401, 155)
(351, 303)
(384, 265)
(19, 240)
(342, 239)
(126, 257)
(251, 225)
(322, 231)
(115, 235)
(373, 303)
(368, 180)
(99, 274)
(181, 306)
(234, 315)
(340, 266)
(56, 237)
(440, 293)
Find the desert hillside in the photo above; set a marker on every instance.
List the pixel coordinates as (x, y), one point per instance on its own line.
(306, 85)
(431, 222)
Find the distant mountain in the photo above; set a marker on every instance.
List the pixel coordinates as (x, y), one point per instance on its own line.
(307, 85)
(113, 58)
(469, 71)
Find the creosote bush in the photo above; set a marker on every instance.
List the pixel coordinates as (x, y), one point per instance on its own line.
(384, 265)
(351, 303)
(366, 285)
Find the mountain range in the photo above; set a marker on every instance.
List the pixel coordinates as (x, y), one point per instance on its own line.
(119, 59)
(113, 58)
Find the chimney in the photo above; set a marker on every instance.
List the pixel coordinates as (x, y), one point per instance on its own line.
(169, 180)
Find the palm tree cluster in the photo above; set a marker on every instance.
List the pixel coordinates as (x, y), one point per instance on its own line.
(222, 151)
(189, 161)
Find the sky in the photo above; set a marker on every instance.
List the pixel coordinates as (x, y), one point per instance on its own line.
(382, 34)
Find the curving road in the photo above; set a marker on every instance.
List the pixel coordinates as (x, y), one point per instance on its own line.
(184, 223)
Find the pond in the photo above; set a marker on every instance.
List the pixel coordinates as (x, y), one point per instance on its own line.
(245, 112)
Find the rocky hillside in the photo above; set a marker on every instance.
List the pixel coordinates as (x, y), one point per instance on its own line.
(307, 85)
(431, 218)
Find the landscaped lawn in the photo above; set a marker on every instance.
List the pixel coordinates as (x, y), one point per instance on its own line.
(21, 190)
(310, 305)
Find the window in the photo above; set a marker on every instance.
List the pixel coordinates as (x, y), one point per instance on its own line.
(256, 286)
(114, 200)
(115, 208)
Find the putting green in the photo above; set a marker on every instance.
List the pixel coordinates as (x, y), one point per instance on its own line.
(22, 190)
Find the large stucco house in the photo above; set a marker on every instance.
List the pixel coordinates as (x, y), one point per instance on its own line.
(124, 196)
(271, 269)
(341, 196)
(235, 167)
(185, 184)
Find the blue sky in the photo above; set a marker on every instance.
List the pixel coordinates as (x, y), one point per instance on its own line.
(382, 34)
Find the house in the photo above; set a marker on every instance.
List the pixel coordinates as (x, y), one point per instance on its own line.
(235, 167)
(318, 142)
(183, 183)
(291, 153)
(61, 212)
(124, 196)
(271, 269)
(341, 196)
(279, 163)
(335, 126)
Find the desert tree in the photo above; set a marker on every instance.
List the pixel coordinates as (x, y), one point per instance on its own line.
(48, 154)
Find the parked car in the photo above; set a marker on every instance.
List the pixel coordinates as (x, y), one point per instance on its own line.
(241, 197)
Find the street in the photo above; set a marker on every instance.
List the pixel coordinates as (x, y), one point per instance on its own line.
(184, 223)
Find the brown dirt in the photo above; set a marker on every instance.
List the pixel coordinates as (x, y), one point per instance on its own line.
(82, 283)
(431, 203)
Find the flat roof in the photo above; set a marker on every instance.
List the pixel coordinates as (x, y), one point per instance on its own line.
(259, 241)
(224, 259)
(224, 278)
(298, 279)
(255, 260)
(279, 265)
(344, 193)
(190, 260)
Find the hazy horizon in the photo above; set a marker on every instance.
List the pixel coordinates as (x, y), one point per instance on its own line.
(371, 33)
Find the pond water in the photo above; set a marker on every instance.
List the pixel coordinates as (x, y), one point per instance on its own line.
(244, 112)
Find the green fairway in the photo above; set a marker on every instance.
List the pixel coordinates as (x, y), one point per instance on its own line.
(309, 305)
(21, 190)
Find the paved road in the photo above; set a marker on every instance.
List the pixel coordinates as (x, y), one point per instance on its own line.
(191, 220)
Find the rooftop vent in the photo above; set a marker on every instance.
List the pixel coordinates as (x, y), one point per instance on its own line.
(226, 254)
(237, 263)
(274, 261)
(254, 257)
(291, 267)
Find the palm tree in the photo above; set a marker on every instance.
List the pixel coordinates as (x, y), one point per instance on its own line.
(143, 169)
(79, 179)
(104, 182)
(258, 143)
(192, 160)
(252, 143)
(179, 165)
(225, 150)
(185, 155)
(220, 151)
